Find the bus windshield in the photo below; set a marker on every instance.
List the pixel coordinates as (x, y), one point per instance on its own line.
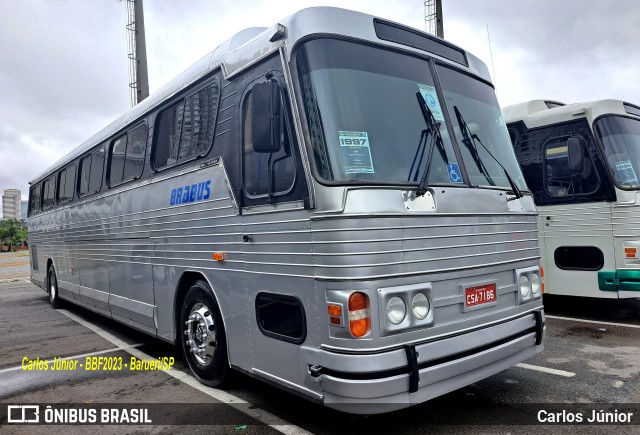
(365, 123)
(474, 103)
(620, 137)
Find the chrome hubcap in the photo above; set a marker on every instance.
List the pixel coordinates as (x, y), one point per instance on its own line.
(201, 333)
(52, 290)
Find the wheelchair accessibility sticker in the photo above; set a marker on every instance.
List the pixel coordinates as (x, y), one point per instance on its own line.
(454, 173)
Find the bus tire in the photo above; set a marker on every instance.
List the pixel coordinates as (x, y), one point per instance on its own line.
(204, 341)
(54, 296)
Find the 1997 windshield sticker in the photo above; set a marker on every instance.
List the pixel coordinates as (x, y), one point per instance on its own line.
(431, 98)
(626, 172)
(356, 154)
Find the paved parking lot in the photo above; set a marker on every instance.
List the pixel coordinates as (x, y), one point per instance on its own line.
(592, 355)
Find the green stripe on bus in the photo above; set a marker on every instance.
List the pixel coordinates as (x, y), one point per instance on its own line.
(621, 279)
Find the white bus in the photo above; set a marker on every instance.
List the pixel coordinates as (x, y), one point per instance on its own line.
(308, 205)
(581, 162)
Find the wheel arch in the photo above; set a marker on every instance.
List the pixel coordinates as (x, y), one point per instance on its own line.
(184, 283)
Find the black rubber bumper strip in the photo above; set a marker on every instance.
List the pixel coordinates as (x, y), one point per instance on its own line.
(412, 362)
(539, 327)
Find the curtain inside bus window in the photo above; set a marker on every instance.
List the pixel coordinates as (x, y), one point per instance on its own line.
(169, 125)
(185, 130)
(198, 125)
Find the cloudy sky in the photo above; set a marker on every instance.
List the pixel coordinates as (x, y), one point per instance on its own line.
(64, 66)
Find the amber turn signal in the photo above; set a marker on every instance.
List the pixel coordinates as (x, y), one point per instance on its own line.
(359, 321)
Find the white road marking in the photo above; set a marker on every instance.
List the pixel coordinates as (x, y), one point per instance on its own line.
(84, 355)
(271, 420)
(593, 321)
(546, 370)
(16, 279)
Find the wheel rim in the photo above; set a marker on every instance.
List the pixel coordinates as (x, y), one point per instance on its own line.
(201, 333)
(52, 288)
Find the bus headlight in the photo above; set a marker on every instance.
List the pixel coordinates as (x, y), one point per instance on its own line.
(536, 284)
(420, 306)
(525, 286)
(396, 310)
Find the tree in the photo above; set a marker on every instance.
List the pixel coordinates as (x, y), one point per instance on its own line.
(12, 233)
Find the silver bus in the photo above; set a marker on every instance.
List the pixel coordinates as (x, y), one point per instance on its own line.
(330, 204)
(581, 162)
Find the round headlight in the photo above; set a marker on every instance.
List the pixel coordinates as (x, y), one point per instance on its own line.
(396, 310)
(535, 284)
(525, 286)
(420, 306)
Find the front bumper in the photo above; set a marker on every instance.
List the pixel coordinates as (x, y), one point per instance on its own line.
(386, 381)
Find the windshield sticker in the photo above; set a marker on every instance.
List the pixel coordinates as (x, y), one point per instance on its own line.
(454, 173)
(356, 154)
(626, 172)
(431, 98)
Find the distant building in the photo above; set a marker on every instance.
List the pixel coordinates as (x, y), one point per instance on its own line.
(12, 204)
(24, 205)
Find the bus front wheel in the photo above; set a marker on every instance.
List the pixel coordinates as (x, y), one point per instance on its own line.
(203, 337)
(54, 298)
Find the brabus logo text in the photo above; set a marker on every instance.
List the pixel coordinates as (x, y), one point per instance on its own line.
(192, 193)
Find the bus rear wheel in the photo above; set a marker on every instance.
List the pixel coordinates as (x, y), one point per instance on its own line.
(203, 337)
(54, 298)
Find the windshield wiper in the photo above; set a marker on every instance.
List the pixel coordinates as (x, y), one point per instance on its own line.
(468, 142)
(433, 128)
(469, 138)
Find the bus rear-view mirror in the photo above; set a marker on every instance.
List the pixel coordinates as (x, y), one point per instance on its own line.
(265, 116)
(574, 153)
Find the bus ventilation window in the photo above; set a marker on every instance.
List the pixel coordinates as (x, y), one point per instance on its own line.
(34, 257)
(579, 258)
(281, 317)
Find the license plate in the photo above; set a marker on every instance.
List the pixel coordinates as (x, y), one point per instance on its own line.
(480, 294)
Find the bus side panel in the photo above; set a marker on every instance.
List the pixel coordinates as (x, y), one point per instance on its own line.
(626, 235)
(131, 297)
(279, 262)
(577, 225)
(93, 253)
(185, 235)
(65, 253)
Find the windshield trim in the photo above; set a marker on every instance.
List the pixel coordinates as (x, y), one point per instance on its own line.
(601, 148)
(433, 61)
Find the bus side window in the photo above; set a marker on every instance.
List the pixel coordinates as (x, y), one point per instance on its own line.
(127, 155)
(256, 176)
(184, 131)
(560, 181)
(66, 180)
(116, 166)
(136, 147)
(90, 175)
(49, 193)
(34, 199)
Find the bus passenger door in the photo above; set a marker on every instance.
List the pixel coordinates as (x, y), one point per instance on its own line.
(577, 233)
(277, 249)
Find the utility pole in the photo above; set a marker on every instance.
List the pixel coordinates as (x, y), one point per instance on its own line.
(439, 23)
(433, 17)
(138, 75)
